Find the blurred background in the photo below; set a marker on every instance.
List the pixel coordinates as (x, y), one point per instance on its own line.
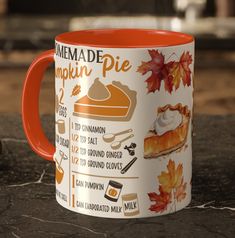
(28, 27)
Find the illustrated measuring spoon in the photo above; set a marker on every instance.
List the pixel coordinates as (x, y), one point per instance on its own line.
(117, 144)
(111, 136)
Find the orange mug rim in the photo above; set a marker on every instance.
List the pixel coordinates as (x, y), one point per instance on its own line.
(124, 38)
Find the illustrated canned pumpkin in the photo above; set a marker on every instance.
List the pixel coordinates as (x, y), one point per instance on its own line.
(113, 190)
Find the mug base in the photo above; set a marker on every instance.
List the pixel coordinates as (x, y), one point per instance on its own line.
(122, 217)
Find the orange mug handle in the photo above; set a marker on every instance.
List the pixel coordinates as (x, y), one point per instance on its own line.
(30, 106)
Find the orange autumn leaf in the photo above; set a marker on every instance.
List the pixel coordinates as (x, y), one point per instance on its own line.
(76, 90)
(159, 71)
(172, 73)
(181, 71)
(172, 188)
(180, 192)
(171, 179)
(161, 200)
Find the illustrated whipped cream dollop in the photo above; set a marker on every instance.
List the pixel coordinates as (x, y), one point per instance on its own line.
(167, 121)
(98, 90)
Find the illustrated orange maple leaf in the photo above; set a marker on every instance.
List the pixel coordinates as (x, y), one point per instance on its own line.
(161, 200)
(160, 71)
(181, 71)
(76, 90)
(180, 192)
(171, 186)
(171, 179)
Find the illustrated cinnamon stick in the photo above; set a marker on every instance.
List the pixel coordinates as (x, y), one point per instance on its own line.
(124, 170)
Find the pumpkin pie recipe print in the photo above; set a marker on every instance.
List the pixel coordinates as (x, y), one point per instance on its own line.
(123, 122)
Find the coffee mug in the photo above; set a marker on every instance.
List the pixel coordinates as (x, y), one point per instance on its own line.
(124, 100)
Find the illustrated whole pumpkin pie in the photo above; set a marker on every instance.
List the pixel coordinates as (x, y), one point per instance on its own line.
(169, 131)
(114, 102)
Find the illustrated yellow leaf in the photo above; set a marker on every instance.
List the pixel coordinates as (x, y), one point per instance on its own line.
(172, 188)
(171, 179)
(176, 74)
(180, 192)
(180, 70)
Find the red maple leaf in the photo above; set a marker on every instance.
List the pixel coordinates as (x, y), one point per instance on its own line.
(161, 200)
(181, 71)
(160, 71)
(171, 73)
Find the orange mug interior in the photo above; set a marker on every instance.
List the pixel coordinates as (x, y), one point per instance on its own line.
(124, 38)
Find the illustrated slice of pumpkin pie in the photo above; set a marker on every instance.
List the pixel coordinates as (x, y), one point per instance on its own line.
(113, 102)
(169, 131)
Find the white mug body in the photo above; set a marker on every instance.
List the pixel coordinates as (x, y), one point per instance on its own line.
(123, 134)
